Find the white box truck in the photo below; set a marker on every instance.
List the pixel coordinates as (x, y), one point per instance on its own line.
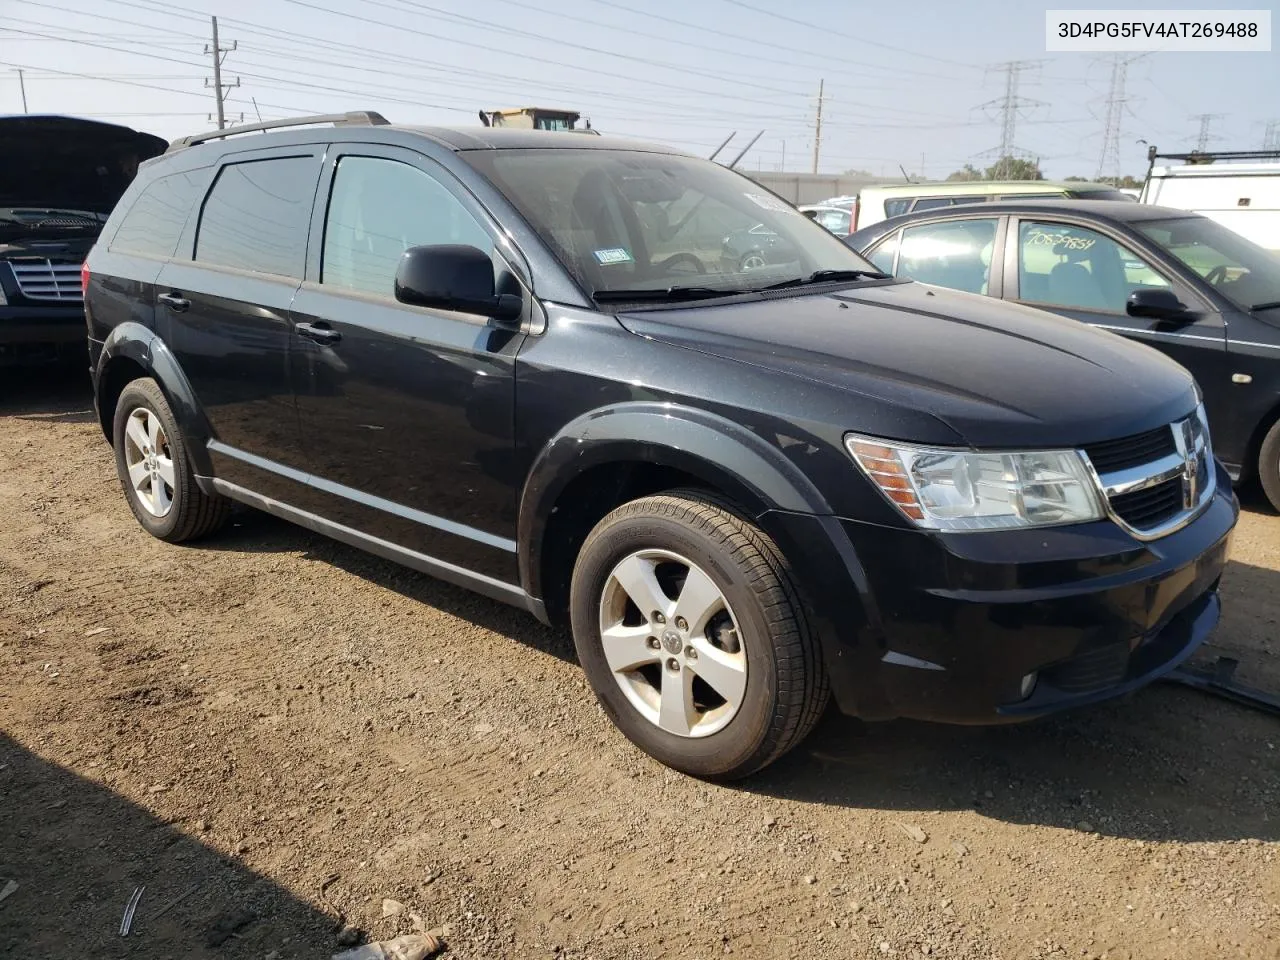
(1239, 189)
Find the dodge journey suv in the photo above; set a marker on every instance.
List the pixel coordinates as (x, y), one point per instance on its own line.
(516, 361)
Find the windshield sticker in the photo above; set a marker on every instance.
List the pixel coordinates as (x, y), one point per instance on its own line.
(766, 202)
(613, 255)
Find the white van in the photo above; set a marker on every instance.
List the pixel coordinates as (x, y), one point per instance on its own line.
(1241, 195)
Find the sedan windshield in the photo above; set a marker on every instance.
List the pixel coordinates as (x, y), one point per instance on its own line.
(623, 220)
(1239, 269)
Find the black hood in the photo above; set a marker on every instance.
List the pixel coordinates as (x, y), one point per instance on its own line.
(68, 163)
(996, 373)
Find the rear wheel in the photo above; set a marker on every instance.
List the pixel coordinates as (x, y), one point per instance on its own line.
(692, 636)
(151, 461)
(1269, 465)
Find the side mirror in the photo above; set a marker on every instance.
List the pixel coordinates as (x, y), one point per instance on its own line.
(811, 214)
(453, 277)
(1156, 304)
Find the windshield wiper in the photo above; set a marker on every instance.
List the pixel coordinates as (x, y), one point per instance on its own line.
(662, 293)
(827, 276)
(1269, 305)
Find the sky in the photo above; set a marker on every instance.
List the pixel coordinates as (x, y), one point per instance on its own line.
(899, 89)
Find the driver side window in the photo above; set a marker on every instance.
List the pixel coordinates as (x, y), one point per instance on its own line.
(380, 208)
(1062, 265)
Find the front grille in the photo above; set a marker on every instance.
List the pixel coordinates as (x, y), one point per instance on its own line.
(1112, 455)
(48, 280)
(1144, 509)
(1095, 670)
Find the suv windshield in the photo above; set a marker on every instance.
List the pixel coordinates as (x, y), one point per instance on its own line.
(1243, 272)
(630, 221)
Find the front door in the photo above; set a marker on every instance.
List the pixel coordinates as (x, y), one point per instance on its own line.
(1084, 273)
(407, 413)
(225, 314)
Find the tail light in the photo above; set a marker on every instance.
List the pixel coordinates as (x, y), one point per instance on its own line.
(84, 279)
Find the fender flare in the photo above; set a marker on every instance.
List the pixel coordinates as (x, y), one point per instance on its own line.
(719, 451)
(133, 341)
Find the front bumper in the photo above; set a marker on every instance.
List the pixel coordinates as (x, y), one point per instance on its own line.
(954, 627)
(41, 334)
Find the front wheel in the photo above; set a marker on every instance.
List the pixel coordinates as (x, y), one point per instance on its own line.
(692, 636)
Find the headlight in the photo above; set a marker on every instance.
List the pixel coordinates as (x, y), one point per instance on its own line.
(959, 490)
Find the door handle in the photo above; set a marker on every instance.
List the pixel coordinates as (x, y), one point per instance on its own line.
(319, 332)
(174, 301)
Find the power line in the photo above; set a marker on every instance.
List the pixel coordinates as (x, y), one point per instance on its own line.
(825, 30)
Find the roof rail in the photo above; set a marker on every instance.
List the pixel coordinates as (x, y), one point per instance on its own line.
(357, 118)
(1209, 156)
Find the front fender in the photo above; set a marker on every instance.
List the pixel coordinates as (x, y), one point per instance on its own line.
(144, 347)
(716, 450)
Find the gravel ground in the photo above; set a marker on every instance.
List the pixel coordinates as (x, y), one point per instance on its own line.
(274, 734)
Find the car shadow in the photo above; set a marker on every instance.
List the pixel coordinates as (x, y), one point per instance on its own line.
(1164, 763)
(76, 851)
(58, 392)
(251, 531)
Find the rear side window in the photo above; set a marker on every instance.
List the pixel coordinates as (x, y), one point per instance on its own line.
(152, 226)
(256, 216)
(896, 207)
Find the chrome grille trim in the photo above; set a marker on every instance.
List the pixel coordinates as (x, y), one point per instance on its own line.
(1192, 462)
(48, 280)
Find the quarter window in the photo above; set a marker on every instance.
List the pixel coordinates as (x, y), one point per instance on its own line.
(256, 216)
(1069, 266)
(882, 256)
(955, 254)
(380, 208)
(152, 226)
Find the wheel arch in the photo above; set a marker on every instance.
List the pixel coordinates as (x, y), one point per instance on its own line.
(133, 351)
(609, 456)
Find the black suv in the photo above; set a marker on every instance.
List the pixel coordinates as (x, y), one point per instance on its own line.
(59, 179)
(516, 360)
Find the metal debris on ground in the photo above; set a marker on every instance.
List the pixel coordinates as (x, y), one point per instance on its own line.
(175, 901)
(9, 887)
(413, 946)
(130, 909)
(1221, 680)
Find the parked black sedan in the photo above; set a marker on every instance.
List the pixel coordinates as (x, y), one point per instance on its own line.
(1175, 280)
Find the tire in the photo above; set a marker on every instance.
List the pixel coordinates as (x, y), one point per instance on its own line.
(167, 502)
(759, 629)
(1269, 465)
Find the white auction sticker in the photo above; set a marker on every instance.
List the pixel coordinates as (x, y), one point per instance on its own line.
(1203, 31)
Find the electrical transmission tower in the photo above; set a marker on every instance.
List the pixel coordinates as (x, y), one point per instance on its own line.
(1206, 121)
(219, 88)
(1271, 138)
(1109, 159)
(1011, 106)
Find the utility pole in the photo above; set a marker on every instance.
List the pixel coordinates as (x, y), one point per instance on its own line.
(1206, 120)
(782, 168)
(22, 85)
(817, 129)
(219, 91)
(1109, 158)
(1010, 107)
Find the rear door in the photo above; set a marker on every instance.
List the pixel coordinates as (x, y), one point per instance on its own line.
(225, 312)
(407, 413)
(1087, 271)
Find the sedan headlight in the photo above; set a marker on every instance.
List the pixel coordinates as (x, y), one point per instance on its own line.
(959, 490)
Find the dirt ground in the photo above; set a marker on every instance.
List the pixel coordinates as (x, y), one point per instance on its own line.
(273, 734)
